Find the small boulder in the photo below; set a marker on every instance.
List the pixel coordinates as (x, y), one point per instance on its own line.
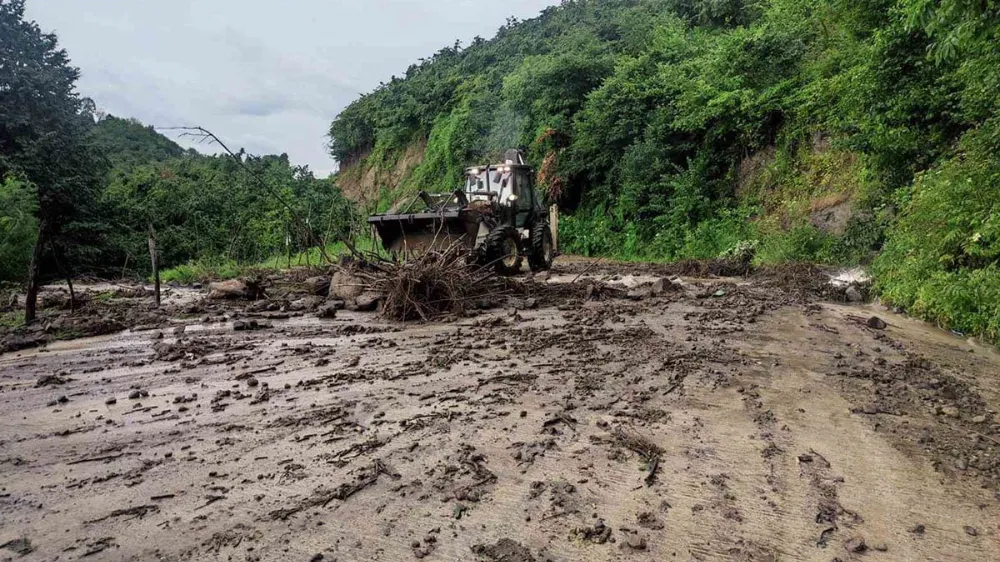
(876, 323)
(663, 285)
(327, 312)
(319, 286)
(228, 290)
(367, 302)
(638, 294)
(345, 286)
(856, 545)
(249, 325)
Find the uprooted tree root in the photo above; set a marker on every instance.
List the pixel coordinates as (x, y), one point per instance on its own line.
(435, 285)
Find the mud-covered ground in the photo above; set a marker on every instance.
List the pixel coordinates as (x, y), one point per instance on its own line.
(721, 419)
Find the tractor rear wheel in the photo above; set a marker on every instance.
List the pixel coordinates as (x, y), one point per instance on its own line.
(503, 251)
(542, 249)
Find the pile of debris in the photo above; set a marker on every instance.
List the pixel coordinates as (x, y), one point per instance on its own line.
(436, 285)
(425, 287)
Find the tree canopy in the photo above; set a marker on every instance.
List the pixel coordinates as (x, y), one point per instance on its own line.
(688, 128)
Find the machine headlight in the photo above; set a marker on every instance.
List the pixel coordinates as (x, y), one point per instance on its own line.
(512, 198)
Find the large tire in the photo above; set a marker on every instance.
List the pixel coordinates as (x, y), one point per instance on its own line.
(542, 250)
(502, 251)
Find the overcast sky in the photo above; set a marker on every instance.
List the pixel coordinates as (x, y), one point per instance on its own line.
(268, 76)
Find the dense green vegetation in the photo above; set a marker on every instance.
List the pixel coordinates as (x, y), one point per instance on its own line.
(80, 193)
(208, 208)
(827, 130)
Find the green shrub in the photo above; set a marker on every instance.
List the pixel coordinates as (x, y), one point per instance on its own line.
(801, 243)
(941, 258)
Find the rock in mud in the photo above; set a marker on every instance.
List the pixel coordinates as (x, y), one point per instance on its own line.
(328, 311)
(507, 550)
(663, 285)
(111, 401)
(319, 286)
(856, 545)
(876, 323)
(346, 287)
(228, 290)
(634, 542)
(249, 325)
(598, 534)
(367, 302)
(51, 380)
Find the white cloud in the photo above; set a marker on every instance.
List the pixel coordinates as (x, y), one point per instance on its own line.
(263, 75)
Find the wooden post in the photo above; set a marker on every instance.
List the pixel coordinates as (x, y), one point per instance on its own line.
(554, 225)
(72, 294)
(156, 263)
(31, 298)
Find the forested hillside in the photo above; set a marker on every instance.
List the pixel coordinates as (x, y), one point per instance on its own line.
(81, 192)
(830, 130)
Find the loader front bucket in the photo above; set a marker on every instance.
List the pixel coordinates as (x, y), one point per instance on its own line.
(418, 233)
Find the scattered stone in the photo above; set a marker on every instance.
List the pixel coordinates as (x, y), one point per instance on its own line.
(971, 531)
(633, 541)
(111, 401)
(252, 382)
(979, 419)
(250, 326)
(327, 311)
(51, 380)
(950, 411)
(598, 534)
(663, 285)
(506, 550)
(876, 323)
(648, 520)
(637, 294)
(856, 545)
(367, 302)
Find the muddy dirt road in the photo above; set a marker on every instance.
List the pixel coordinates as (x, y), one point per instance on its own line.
(724, 420)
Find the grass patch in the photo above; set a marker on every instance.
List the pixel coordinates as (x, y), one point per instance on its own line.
(206, 270)
(13, 319)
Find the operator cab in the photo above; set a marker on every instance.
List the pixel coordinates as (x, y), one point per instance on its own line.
(504, 183)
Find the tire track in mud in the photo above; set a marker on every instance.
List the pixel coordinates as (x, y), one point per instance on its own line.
(702, 424)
